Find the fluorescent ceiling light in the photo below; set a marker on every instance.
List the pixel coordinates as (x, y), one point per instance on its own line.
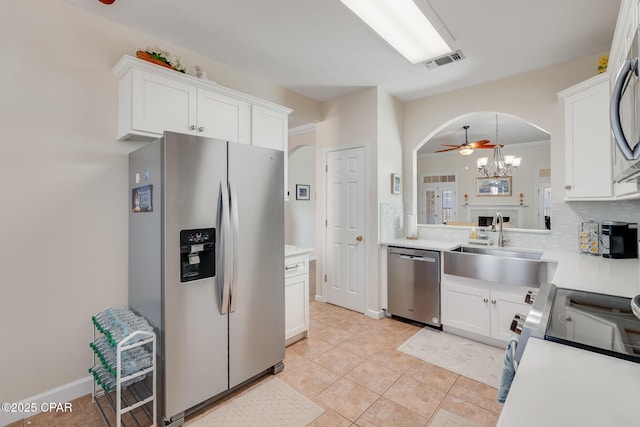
(405, 27)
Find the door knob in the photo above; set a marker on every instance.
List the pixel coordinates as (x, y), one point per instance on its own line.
(359, 238)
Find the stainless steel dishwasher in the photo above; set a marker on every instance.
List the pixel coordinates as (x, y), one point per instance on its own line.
(413, 285)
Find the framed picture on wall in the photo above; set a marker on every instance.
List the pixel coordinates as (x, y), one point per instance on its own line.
(396, 183)
(495, 186)
(302, 192)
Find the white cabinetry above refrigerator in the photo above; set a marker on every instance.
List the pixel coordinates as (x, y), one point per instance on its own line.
(153, 99)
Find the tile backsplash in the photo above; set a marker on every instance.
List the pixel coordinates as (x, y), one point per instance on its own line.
(565, 218)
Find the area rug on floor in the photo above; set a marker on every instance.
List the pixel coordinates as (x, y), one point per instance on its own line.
(447, 419)
(474, 360)
(272, 403)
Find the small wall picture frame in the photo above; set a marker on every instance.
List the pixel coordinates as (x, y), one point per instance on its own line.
(396, 183)
(302, 192)
(495, 186)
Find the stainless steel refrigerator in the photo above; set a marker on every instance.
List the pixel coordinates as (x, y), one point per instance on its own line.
(206, 264)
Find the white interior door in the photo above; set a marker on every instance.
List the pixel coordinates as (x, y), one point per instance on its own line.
(345, 229)
(438, 203)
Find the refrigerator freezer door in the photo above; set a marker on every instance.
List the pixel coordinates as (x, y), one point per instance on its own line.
(195, 330)
(256, 326)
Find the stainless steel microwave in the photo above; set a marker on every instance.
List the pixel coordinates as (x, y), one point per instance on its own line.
(625, 117)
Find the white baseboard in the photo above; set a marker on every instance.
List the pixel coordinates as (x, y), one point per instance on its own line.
(62, 394)
(375, 314)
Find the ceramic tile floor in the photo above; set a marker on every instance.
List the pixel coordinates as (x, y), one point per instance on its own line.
(349, 366)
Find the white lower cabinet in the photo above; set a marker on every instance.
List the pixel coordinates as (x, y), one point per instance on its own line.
(504, 306)
(466, 308)
(485, 310)
(296, 297)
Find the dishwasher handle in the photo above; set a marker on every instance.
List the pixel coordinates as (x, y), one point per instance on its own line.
(417, 258)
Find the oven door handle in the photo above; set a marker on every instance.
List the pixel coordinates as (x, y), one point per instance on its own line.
(514, 362)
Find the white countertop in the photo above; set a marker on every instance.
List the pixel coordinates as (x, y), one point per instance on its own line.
(595, 274)
(434, 245)
(558, 385)
(290, 250)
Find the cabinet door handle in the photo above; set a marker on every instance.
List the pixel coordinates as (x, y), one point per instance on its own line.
(567, 187)
(493, 301)
(359, 238)
(200, 129)
(485, 299)
(291, 267)
(192, 127)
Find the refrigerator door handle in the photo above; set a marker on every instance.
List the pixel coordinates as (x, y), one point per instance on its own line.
(233, 211)
(223, 246)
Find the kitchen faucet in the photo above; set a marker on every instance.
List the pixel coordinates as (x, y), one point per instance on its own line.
(498, 217)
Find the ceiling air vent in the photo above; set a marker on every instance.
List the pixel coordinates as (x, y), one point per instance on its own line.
(444, 59)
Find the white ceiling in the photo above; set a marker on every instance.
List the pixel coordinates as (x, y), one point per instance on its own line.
(320, 49)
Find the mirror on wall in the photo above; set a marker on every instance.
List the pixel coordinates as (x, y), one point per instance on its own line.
(452, 190)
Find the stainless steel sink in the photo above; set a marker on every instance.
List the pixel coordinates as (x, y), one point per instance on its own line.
(501, 252)
(523, 268)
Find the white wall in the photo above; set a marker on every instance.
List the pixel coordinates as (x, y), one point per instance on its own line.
(390, 117)
(300, 215)
(373, 119)
(349, 121)
(63, 178)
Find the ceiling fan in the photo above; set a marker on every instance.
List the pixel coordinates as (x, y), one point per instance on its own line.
(467, 147)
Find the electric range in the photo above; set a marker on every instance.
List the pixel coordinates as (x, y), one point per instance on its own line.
(595, 322)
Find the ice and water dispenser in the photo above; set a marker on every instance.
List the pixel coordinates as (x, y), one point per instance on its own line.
(197, 254)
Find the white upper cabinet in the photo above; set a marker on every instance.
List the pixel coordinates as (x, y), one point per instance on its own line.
(588, 145)
(269, 128)
(153, 99)
(223, 117)
(151, 104)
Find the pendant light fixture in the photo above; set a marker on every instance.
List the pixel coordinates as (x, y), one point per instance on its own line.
(499, 165)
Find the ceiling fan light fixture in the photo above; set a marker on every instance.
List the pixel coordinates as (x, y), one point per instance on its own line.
(405, 26)
(466, 151)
